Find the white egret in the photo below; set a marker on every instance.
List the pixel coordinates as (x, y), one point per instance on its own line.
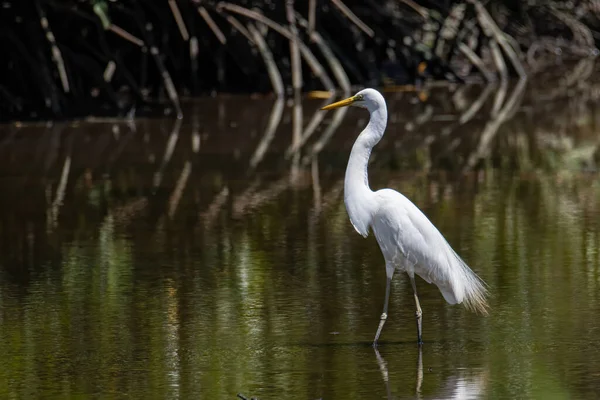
(408, 240)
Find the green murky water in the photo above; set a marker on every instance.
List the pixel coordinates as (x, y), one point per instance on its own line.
(153, 260)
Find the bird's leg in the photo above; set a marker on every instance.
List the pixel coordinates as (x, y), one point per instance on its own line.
(419, 313)
(390, 274)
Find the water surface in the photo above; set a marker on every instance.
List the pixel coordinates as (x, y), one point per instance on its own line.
(193, 259)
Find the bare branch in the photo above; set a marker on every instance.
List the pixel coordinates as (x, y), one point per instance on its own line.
(308, 56)
(352, 17)
(267, 56)
(212, 25)
(179, 20)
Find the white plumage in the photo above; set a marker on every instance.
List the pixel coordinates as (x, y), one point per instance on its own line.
(408, 240)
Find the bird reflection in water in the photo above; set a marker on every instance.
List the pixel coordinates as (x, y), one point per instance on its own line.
(458, 386)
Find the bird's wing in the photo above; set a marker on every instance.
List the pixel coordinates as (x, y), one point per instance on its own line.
(425, 250)
(399, 224)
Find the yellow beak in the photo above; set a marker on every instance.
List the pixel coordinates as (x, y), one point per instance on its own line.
(341, 103)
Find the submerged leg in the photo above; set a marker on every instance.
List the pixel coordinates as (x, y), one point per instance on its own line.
(419, 313)
(419, 372)
(390, 274)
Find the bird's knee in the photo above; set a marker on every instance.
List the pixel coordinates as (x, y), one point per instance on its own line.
(418, 313)
(383, 316)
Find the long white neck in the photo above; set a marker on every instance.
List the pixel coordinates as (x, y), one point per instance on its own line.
(358, 197)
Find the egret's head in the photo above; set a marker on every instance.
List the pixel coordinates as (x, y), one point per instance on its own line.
(370, 99)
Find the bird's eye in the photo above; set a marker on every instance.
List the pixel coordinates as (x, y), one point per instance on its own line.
(360, 97)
